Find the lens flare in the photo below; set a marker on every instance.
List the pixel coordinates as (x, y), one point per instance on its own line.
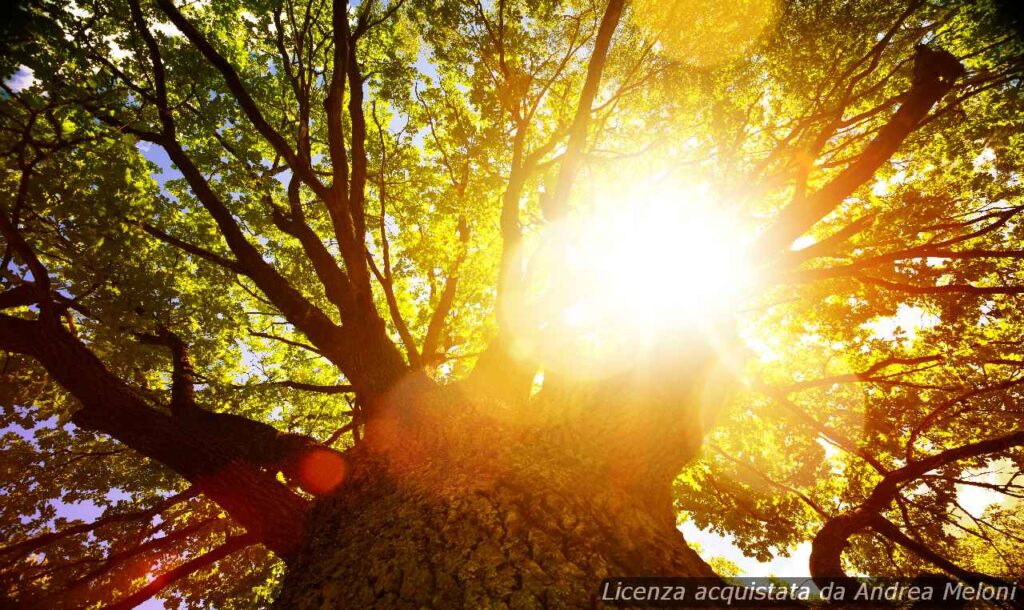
(321, 471)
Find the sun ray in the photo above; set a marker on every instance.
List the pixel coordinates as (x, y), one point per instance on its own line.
(612, 279)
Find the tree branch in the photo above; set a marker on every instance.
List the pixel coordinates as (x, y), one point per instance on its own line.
(232, 545)
(192, 249)
(889, 530)
(432, 340)
(555, 206)
(935, 72)
(25, 547)
(862, 376)
(305, 387)
(265, 507)
(829, 543)
(183, 397)
(241, 94)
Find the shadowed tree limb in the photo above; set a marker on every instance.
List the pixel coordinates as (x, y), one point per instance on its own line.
(183, 396)
(943, 289)
(259, 444)
(888, 529)
(933, 249)
(362, 349)
(349, 229)
(852, 269)
(241, 94)
(19, 296)
(830, 541)
(935, 73)
(305, 387)
(357, 118)
(76, 589)
(943, 407)
(16, 242)
(20, 549)
(255, 498)
(232, 545)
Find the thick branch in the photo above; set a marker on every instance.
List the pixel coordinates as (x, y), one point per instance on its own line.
(162, 545)
(19, 296)
(829, 543)
(935, 72)
(357, 182)
(17, 243)
(337, 287)
(241, 94)
(556, 206)
(262, 505)
(296, 308)
(341, 201)
(259, 444)
(943, 289)
(886, 528)
(183, 397)
(307, 387)
(379, 365)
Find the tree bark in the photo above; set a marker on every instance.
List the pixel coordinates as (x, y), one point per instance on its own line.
(462, 535)
(455, 501)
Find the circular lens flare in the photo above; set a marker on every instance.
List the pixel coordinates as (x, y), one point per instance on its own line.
(321, 471)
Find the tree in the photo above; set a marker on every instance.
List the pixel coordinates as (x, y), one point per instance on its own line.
(334, 271)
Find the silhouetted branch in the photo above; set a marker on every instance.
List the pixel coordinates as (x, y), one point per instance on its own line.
(232, 545)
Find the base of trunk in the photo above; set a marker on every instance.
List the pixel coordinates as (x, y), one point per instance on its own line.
(506, 546)
(463, 502)
(459, 536)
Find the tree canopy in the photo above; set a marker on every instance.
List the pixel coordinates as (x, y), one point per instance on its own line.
(231, 226)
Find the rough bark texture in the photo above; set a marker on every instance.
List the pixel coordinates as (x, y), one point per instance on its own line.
(465, 502)
(454, 542)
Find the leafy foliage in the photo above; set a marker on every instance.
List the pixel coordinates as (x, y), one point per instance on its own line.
(894, 334)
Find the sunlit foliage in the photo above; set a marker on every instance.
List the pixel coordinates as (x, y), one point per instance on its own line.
(890, 331)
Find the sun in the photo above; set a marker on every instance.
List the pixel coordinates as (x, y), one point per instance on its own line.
(639, 266)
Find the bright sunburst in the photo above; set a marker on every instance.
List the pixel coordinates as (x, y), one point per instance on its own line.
(608, 282)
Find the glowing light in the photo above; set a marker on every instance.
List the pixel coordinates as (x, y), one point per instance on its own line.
(904, 325)
(321, 471)
(976, 500)
(704, 32)
(630, 273)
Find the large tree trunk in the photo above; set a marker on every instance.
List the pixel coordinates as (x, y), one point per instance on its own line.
(463, 502)
(460, 535)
